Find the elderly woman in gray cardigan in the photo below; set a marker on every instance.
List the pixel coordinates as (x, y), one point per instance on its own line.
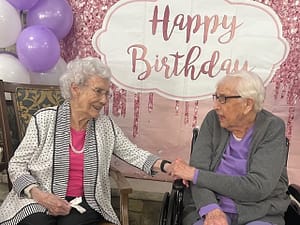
(66, 154)
(237, 172)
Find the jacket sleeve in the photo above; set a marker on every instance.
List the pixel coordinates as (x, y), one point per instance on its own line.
(19, 173)
(131, 153)
(201, 158)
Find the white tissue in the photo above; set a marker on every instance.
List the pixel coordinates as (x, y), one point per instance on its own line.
(75, 204)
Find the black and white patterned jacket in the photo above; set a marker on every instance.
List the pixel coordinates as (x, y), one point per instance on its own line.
(43, 157)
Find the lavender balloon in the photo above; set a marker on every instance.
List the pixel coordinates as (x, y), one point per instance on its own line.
(38, 48)
(55, 14)
(23, 4)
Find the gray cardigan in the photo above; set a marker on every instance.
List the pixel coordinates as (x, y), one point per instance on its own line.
(261, 194)
(43, 157)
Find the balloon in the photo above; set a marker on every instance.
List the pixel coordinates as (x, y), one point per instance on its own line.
(50, 77)
(10, 24)
(38, 48)
(23, 4)
(54, 14)
(12, 70)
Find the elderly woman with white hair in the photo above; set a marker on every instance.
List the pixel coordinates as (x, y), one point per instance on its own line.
(66, 153)
(237, 172)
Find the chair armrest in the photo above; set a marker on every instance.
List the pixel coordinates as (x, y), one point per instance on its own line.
(121, 182)
(124, 189)
(3, 165)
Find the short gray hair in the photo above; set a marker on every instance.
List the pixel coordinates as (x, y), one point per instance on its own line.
(250, 85)
(79, 71)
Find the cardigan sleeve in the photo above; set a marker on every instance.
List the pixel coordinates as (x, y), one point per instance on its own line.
(201, 158)
(131, 153)
(19, 173)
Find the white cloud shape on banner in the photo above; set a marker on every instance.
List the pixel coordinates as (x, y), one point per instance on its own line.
(180, 49)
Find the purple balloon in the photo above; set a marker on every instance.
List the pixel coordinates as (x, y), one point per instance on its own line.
(38, 48)
(55, 14)
(23, 4)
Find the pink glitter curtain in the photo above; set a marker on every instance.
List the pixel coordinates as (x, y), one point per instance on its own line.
(287, 77)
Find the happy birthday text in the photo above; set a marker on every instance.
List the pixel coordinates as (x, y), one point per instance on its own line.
(191, 63)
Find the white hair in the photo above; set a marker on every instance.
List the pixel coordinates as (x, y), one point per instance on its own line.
(79, 71)
(250, 85)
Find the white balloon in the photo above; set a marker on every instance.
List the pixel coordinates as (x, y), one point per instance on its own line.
(10, 24)
(51, 76)
(12, 70)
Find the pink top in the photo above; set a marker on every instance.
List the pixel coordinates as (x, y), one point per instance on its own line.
(75, 183)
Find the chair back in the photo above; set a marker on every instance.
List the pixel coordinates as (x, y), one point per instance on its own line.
(18, 103)
(32, 98)
(195, 133)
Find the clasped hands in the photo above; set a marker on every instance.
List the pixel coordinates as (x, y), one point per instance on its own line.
(179, 169)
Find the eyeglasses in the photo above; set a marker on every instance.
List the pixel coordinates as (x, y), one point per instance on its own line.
(100, 92)
(222, 98)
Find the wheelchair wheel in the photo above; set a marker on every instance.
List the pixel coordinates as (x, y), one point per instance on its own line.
(164, 209)
(175, 208)
(170, 212)
(178, 208)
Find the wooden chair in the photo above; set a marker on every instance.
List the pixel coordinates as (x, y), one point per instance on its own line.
(18, 103)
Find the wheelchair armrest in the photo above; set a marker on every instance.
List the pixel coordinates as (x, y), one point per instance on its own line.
(178, 185)
(292, 215)
(294, 191)
(293, 211)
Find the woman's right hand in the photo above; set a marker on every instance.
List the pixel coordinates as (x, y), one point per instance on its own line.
(54, 204)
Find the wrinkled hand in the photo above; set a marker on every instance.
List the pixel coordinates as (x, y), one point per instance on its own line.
(179, 169)
(215, 217)
(55, 205)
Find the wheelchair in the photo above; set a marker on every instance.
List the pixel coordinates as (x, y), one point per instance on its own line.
(172, 203)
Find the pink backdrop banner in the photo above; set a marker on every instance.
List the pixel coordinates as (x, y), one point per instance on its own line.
(156, 117)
